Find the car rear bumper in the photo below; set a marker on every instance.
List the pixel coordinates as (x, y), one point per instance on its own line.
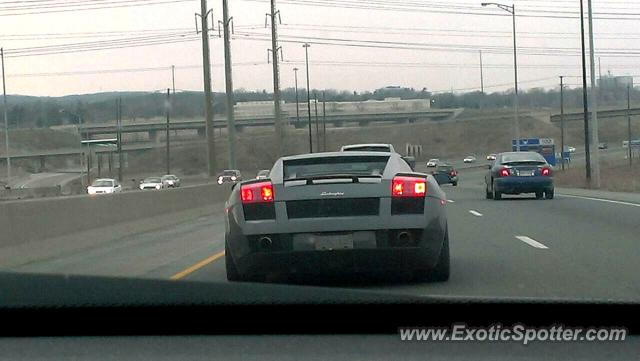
(339, 262)
(517, 185)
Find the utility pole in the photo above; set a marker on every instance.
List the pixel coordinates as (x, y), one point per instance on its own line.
(295, 74)
(599, 70)
(594, 105)
(315, 104)
(481, 75)
(276, 79)
(173, 78)
(306, 54)
(231, 123)
(629, 122)
(515, 70)
(6, 120)
(208, 95)
(511, 9)
(119, 139)
(585, 102)
(324, 122)
(562, 121)
(168, 106)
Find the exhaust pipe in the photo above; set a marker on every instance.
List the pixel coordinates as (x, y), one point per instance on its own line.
(265, 243)
(404, 238)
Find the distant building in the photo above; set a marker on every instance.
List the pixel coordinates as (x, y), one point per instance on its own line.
(612, 82)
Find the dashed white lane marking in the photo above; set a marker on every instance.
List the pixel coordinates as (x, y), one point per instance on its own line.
(602, 200)
(532, 242)
(475, 213)
(450, 201)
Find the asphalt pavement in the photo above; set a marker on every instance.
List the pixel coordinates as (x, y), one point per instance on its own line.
(578, 245)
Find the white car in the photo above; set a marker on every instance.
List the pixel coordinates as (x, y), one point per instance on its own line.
(104, 186)
(469, 159)
(491, 156)
(433, 162)
(151, 183)
(571, 149)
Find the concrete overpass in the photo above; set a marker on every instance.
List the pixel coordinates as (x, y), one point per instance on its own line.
(154, 129)
(612, 113)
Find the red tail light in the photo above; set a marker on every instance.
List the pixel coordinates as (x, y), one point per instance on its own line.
(404, 186)
(504, 172)
(257, 192)
(453, 173)
(545, 172)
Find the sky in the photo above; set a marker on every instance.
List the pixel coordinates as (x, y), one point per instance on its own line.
(355, 44)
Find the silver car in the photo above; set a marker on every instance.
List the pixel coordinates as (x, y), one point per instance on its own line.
(170, 181)
(342, 212)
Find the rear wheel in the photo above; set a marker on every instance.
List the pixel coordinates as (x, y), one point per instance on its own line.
(549, 194)
(455, 184)
(496, 194)
(488, 193)
(230, 265)
(441, 271)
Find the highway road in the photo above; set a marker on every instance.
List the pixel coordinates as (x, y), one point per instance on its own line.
(575, 246)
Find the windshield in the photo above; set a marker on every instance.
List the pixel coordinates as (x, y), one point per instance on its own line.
(510, 158)
(224, 145)
(356, 165)
(102, 183)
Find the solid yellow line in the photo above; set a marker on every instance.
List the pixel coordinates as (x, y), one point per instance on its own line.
(197, 266)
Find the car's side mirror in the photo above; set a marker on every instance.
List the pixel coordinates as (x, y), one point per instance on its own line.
(410, 160)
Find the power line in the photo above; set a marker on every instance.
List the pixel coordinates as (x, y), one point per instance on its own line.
(99, 7)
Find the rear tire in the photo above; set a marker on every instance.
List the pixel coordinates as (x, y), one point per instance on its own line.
(455, 184)
(549, 194)
(496, 194)
(441, 271)
(488, 193)
(232, 272)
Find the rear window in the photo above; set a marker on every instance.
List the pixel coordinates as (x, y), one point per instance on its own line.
(446, 168)
(372, 148)
(355, 165)
(523, 157)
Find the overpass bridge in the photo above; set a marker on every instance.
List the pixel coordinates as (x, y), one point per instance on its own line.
(612, 113)
(154, 129)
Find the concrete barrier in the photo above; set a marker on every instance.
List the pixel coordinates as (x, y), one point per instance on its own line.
(37, 219)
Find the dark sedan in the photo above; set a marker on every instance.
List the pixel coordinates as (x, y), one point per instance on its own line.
(446, 174)
(229, 175)
(517, 173)
(340, 213)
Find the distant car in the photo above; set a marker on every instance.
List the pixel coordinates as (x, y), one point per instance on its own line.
(229, 176)
(433, 162)
(491, 156)
(571, 149)
(104, 186)
(446, 174)
(519, 172)
(603, 145)
(170, 181)
(263, 174)
(368, 148)
(151, 183)
(469, 159)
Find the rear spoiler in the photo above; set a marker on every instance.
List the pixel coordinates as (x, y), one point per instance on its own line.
(354, 178)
